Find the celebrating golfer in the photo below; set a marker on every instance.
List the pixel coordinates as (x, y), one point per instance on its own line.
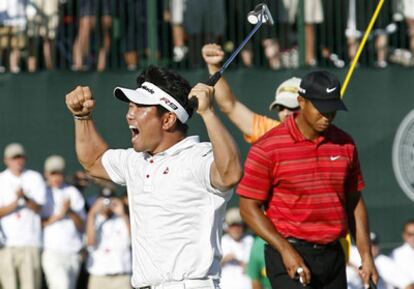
(177, 187)
(307, 174)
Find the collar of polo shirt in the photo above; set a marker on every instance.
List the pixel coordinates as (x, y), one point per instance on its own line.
(150, 94)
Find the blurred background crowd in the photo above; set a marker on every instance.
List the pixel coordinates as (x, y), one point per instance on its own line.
(82, 35)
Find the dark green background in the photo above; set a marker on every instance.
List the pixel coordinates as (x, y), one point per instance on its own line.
(32, 111)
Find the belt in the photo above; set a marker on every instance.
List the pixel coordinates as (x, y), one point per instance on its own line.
(304, 243)
(190, 283)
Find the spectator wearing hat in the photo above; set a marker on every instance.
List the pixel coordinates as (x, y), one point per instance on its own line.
(109, 243)
(63, 221)
(236, 246)
(391, 275)
(251, 124)
(404, 255)
(22, 194)
(307, 172)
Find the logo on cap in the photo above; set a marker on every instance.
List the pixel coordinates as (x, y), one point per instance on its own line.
(169, 103)
(147, 89)
(329, 90)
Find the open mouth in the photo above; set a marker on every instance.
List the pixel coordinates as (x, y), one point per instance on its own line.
(134, 130)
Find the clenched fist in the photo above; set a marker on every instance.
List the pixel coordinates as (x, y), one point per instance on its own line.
(80, 102)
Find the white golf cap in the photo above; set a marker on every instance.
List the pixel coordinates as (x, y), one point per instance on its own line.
(150, 94)
(13, 150)
(54, 164)
(287, 94)
(233, 217)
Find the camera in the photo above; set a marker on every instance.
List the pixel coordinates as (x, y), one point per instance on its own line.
(106, 202)
(106, 194)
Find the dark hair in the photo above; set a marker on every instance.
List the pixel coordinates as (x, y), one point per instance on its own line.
(172, 83)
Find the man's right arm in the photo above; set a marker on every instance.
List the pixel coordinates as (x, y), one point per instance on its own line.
(89, 144)
(252, 213)
(236, 111)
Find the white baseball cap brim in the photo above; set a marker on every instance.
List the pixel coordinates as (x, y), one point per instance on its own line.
(150, 94)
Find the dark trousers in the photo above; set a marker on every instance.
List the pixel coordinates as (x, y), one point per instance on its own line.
(326, 263)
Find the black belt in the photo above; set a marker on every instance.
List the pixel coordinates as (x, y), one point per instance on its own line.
(146, 287)
(310, 244)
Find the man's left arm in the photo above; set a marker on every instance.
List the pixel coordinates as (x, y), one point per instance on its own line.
(358, 225)
(226, 169)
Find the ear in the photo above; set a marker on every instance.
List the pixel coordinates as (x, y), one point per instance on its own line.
(169, 120)
(301, 101)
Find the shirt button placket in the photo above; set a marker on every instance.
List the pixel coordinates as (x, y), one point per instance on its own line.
(148, 174)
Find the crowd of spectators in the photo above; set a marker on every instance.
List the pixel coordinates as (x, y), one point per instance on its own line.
(97, 35)
(45, 227)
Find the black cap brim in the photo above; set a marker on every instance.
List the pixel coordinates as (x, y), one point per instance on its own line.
(328, 105)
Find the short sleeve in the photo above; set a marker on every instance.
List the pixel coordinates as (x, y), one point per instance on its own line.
(115, 164)
(257, 180)
(354, 182)
(202, 160)
(261, 125)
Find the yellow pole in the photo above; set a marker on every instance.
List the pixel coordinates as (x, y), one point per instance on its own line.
(361, 47)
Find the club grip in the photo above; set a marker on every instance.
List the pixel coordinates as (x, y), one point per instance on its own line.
(210, 82)
(372, 284)
(214, 78)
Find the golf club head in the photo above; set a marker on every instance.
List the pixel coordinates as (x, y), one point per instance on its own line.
(260, 13)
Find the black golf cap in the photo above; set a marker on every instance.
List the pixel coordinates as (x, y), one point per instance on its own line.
(323, 90)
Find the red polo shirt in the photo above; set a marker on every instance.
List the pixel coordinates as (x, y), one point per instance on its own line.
(304, 183)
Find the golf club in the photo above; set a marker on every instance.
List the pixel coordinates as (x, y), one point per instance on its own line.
(257, 17)
(261, 14)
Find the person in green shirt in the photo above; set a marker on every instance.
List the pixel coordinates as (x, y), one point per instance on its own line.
(256, 268)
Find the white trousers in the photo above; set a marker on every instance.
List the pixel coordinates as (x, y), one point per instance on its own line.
(61, 269)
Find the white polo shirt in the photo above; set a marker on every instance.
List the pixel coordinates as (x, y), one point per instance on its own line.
(404, 257)
(112, 252)
(62, 235)
(176, 214)
(23, 226)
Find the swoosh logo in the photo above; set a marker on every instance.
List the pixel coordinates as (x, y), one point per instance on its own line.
(334, 158)
(329, 90)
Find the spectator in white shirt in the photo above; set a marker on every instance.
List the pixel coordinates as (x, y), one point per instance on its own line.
(109, 244)
(404, 255)
(236, 251)
(63, 220)
(390, 273)
(177, 186)
(22, 194)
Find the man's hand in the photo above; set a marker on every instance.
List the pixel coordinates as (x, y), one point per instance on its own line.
(80, 102)
(213, 55)
(97, 207)
(20, 193)
(65, 208)
(204, 95)
(293, 261)
(368, 271)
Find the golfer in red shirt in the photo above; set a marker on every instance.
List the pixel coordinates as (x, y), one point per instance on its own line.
(306, 174)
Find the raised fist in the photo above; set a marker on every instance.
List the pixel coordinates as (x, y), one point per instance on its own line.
(80, 102)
